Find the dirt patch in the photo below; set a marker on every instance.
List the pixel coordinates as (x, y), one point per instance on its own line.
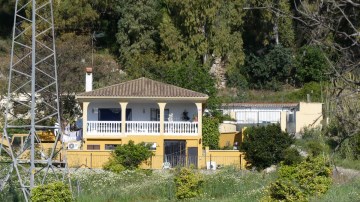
(344, 175)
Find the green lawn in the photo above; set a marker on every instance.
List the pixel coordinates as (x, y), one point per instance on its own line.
(348, 192)
(225, 185)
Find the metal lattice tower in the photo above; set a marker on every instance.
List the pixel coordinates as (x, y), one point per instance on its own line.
(32, 100)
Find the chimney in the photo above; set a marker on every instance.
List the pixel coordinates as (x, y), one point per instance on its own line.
(88, 79)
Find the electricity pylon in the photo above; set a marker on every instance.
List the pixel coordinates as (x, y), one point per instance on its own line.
(32, 100)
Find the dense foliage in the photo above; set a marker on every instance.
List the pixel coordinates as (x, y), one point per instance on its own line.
(210, 132)
(256, 44)
(265, 145)
(188, 183)
(271, 71)
(299, 182)
(128, 156)
(56, 192)
(311, 65)
(348, 148)
(179, 42)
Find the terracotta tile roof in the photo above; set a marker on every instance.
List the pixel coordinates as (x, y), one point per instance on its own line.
(142, 87)
(260, 104)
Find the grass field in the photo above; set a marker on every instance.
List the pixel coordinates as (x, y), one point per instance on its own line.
(223, 185)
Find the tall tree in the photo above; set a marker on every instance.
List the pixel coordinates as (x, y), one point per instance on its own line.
(137, 30)
(268, 22)
(7, 8)
(334, 26)
(209, 30)
(194, 20)
(75, 16)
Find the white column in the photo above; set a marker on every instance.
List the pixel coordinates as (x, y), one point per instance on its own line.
(199, 114)
(123, 117)
(283, 120)
(85, 117)
(162, 116)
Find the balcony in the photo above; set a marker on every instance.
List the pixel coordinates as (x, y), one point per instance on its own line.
(174, 128)
(143, 127)
(103, 128)
(113, 128)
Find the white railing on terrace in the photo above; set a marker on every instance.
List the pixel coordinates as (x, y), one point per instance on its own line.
(181, 128)
(140, 127)
(103, 127)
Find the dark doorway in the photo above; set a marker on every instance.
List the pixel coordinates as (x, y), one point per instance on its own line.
(113, 114)
(175, 152)
(193, 156)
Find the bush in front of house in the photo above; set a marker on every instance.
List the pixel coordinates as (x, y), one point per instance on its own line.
(188, 183)
(55, 192)
(113, 166)
(211, 132)
(128, 156)
(311, 177)
(265, 145)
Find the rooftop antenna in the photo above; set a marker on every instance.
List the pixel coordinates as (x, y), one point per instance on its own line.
(32, 100)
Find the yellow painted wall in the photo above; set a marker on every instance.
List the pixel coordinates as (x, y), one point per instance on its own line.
(156, 161)
(86, 159)
(96, 159)
(228, 139)
(309, 115)
(227, 128)
(224, 158)
(100, 142)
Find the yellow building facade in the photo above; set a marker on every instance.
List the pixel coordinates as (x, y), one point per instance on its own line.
(167, 117)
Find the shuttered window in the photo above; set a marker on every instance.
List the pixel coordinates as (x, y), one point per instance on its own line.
(110, 146)
(93, 147)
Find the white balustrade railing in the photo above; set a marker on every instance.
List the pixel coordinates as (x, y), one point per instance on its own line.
(141, 127)
(181, 128)
(103, 127)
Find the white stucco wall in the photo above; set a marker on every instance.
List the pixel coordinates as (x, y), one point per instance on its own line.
(141, 111)
(178, 108)
(92, 112)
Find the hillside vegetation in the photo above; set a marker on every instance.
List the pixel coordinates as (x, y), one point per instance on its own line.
(200, 45)
(234, 51)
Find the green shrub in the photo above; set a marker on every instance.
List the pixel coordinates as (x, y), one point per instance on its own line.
(113, 166)
(128, 156)
(292, 156)
(315, 148)
(313, 142)
(265, 145)
(270, 71)
(284, 191)
(53, 192)
(236, 80)
(311, 177)
(350, 148)
(311, 65)
(312, 88)
(188, 183)
(211, 132)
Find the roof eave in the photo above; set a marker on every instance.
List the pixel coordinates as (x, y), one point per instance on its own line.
(133, 98)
